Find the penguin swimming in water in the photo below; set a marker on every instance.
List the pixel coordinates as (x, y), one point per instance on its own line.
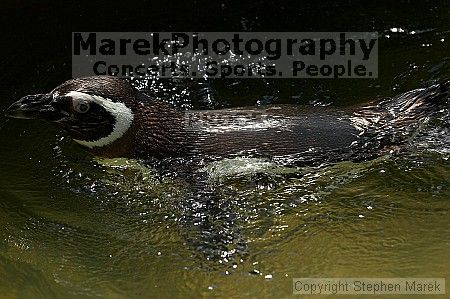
(110, 118)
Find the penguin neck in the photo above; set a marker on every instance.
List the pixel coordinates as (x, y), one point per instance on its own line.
(156, 131)
(159, 131)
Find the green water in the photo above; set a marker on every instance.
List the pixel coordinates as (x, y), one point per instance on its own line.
(72, 226)
(82, 228)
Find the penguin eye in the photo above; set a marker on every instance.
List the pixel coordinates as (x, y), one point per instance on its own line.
(81, 106)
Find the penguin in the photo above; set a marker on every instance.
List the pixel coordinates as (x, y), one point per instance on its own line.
(108, 117)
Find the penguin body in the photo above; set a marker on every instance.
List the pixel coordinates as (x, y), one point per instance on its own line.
(110, 118)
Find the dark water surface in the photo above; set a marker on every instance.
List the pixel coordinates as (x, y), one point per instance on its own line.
(74, 227)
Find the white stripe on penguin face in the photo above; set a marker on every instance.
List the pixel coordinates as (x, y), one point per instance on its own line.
(122, 114)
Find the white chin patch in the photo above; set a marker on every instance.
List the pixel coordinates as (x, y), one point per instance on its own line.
(122, 114)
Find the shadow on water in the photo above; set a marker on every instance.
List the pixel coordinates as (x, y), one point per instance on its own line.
(213, 208)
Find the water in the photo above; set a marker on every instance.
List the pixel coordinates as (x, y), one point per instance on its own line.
(72, 226)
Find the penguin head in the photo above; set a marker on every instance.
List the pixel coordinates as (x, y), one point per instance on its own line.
(95, 111)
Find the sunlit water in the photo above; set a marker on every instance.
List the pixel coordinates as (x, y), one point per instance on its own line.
(96, 227)
(76, 226)
(114, 227)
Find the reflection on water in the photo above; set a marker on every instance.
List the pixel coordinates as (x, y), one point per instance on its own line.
(116, 227)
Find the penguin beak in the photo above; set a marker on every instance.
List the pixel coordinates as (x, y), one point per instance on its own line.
(33, 107)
